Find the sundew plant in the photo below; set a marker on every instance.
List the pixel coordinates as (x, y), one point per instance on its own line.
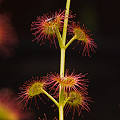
(67, 90)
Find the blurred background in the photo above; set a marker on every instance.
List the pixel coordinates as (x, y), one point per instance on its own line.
(28, 59)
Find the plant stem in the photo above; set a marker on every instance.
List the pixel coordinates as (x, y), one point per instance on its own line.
(58, 36)
(65, 101)
(66, 21)
(61, 117)
(62, 61)
(47, 94)
(74, 37)
(61, 89)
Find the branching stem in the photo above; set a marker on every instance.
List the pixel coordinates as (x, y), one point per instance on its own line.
(47, 94)
(62, 42)
(62, 61)
(74, 37)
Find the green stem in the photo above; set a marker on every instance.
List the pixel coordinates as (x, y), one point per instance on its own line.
(66, 100)
(62, 61)
(61, 89)
(74, 37)
(47, 94)
(58, 36)
(66, 21)
(61, 117)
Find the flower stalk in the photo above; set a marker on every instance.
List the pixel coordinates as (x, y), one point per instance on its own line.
(66, 21)
(62, 61)
(61, 89)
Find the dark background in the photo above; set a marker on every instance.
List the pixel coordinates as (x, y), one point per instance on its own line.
(102, 18)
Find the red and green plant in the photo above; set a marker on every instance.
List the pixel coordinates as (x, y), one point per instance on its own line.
(70, 89)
